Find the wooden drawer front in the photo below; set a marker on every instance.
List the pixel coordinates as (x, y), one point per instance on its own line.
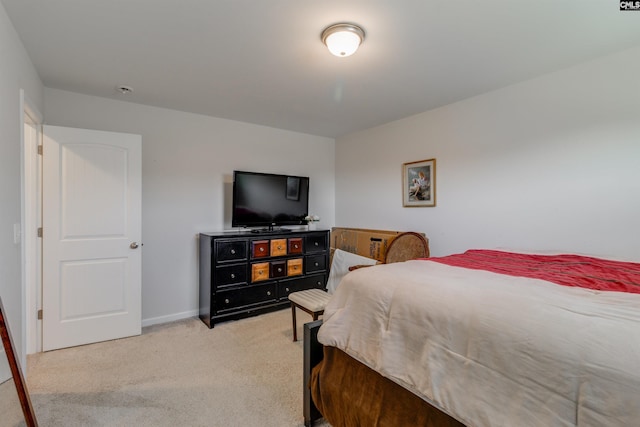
(295, 245)
(316, 242)
(278, 268)
(285, 287)
(230, 275)
(259, 271)
(230, 250)
(294, 267)
(315, 263)
(232, 299)
(278, 247)
(259, 248)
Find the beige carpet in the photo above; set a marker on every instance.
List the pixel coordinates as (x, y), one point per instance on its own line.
(10, 409)
(240, 373)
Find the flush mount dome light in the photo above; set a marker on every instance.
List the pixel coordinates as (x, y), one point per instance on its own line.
(343, 39)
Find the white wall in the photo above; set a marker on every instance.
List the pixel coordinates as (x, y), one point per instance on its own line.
(16, 73)
(187, 166)
(552, 163)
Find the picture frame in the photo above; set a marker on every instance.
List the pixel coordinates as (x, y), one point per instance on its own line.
(293, 188)
(419, 183)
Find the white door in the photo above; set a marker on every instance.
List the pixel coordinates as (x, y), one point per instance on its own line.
(91, 236)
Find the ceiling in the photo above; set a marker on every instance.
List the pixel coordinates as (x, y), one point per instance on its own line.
(262, 61)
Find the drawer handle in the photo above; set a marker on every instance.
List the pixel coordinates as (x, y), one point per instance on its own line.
(233, 251)
(233, 276)
(316, 264)
(286, 289)
(261, 249)
(295, 246)
(279, 270)
(316, 243)
(226, 301)
(279, 248)
(269, 293)
(318, 283)
(260, 271)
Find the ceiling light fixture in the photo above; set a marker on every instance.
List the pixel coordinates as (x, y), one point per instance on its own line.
(343, 39)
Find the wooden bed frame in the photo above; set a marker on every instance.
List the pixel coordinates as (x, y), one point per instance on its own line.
(313, 354)
(356, 395)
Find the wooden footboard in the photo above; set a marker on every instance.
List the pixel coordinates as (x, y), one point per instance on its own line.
(371, 399)
(313, 354)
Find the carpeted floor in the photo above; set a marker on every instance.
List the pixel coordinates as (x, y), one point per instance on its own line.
(10, 409)
(240, 373)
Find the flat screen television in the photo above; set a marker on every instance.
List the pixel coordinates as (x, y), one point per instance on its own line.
(269, 200)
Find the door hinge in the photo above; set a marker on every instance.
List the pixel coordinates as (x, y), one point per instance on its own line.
(40, 149)
(40, 314)
(39, 231)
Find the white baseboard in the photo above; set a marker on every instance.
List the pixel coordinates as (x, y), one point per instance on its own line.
(169, 318)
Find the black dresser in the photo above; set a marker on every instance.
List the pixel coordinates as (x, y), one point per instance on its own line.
(245, 274)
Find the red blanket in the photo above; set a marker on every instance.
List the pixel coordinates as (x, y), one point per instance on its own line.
(567, 270)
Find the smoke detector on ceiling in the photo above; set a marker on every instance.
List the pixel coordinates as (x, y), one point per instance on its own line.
(124, 89)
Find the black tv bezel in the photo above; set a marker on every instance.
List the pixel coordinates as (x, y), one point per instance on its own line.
(270, 224)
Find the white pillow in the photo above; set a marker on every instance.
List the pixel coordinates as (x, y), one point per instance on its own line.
(342, 260)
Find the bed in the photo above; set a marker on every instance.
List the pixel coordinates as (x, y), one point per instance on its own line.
(483, 338)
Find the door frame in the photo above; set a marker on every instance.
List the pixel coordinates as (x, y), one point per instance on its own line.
(31, 213)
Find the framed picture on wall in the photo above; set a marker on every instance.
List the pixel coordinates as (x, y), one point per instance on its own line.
(293, 188)
(419, 183)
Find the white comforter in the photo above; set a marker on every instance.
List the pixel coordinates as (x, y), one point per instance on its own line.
(490, 349)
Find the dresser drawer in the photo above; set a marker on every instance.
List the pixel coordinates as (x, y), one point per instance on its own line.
(315, 263)
(233, 299)
(285, 287)
(295, 245)
(259, 249)
(230, 250)
(230, 275)
(294, 267)
(259, 271)
(278, 247)
(316, 242)
(278, 269)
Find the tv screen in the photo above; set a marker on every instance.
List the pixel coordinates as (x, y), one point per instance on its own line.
(262, 199)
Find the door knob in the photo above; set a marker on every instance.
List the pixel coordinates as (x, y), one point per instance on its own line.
(133, 245)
